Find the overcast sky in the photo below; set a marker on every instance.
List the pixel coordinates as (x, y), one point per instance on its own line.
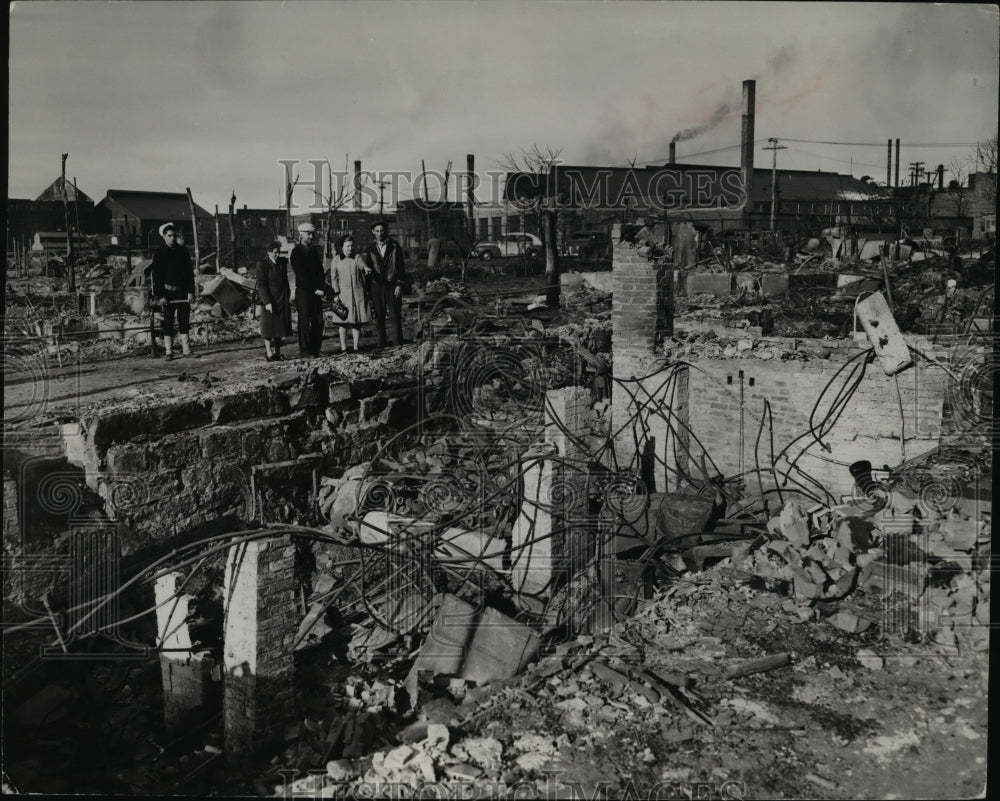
(212, 95)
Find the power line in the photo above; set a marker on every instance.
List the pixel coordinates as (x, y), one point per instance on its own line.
(882, 144)
(831, 158)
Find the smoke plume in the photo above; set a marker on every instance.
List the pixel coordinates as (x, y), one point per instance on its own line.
(784, 58)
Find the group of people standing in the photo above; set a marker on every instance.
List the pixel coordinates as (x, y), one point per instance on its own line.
(368, 285)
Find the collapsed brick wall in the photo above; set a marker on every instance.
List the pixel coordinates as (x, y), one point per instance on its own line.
(165, 470)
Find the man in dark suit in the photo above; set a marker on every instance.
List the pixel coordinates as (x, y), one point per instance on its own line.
(173, 289)
(310, 282)
(388, 278)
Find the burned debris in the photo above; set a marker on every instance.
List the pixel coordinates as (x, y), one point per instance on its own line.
(717, 523)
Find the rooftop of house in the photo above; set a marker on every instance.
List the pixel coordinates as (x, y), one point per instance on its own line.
(55, 189)
(154, 205)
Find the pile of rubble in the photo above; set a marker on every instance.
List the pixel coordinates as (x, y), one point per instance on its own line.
(710, 345)
(936, 554)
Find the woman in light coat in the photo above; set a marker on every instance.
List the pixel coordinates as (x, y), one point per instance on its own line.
(348, 277)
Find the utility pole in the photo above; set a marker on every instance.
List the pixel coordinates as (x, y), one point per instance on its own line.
(470, 194)
(218, 242)
(449, 234)
(915, 169)
(232, 226)
(70, 268)
(427, 200)
(775, 147)
(76, 207)
(381, 195)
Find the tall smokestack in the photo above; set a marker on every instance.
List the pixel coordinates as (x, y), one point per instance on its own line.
(940, 172)
(357, 185)
(746, 138)
(673, 153)
(888, 164)
(470, 193)
(897, 163)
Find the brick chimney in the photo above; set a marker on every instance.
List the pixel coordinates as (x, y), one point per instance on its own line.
(673, 153)
(746, 140)
(357, 185)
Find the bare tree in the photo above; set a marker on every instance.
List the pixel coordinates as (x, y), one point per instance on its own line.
(986, 158)
(958, 193)
(336, 199)
(546, 204)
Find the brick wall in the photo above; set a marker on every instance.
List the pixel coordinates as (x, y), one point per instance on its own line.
(260, 624)
(187, 684)
(871, 426)
(662, 411)
(637, 315)
(165, 470)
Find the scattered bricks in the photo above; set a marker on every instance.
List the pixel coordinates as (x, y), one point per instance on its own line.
(709, 284)
(845, 621)
(870, 659)
(774, 284)
(881, 578)
(339, 391)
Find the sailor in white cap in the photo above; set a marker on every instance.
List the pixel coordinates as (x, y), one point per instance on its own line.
(310, 283)
(173, 288)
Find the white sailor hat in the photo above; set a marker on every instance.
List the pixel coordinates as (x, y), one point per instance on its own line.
(307, 228)
(167, 227)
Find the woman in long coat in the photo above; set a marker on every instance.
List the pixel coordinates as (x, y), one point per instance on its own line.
(348, 275)
(275, 294)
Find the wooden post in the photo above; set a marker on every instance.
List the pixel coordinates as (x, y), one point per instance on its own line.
(218, 245)
(76, 207)
(232, 226)
(551, 260)
(470, 194)
(194, 234)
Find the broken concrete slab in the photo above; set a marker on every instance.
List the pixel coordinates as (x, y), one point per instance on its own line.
(479, 645)
(883, 332)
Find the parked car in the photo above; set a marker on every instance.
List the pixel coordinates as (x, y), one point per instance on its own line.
(587, 245)
(509, 245)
